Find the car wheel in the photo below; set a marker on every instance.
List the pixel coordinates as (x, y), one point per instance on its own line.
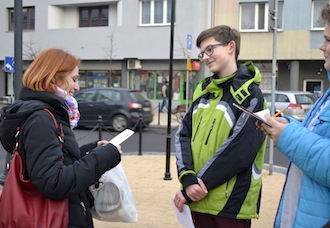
(119, 123)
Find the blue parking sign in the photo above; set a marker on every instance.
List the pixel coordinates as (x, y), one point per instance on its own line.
(189, 42)
(9, 64)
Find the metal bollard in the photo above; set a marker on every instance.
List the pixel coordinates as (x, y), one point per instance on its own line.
(159, 113)
(140, 134)
(99, 121)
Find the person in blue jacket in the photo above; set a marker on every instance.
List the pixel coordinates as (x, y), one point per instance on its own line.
(305, 200)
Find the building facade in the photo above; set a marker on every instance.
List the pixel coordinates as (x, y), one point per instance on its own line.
(299, 62)
(122, 43)
(126, 43)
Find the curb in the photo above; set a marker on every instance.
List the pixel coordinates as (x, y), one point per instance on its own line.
(278, 169)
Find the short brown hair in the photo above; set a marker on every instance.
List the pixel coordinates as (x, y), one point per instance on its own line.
(325, 13)
(223, 34)
(51, 64)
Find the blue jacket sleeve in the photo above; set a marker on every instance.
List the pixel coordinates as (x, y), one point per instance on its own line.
(307, 150)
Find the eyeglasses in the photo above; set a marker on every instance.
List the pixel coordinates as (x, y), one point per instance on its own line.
(209, 50)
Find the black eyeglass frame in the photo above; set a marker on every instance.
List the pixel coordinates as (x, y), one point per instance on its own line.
(201, 54)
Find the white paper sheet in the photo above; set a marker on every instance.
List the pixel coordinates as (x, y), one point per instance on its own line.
(184, 217)
(121, 137)
(262, 113)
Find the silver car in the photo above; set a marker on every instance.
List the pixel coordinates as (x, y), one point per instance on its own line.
(295, 103)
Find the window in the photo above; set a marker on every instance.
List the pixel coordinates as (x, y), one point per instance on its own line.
(255, 16)
(87, 96)
(314, 86)
(317, 22)
(28, 18)
(93, 16)
(305, 99)
(155, 12)
(280, 15)
(150, 83)
(89, 79)
(108, 95)
(282, 98)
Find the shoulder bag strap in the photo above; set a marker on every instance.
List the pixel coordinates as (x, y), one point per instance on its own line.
(59, 129)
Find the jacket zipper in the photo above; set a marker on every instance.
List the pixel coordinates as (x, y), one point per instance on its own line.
(199, 123)
(227, 194)
(83, 207)
(208, 136)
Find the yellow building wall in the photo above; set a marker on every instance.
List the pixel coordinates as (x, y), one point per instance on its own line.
(293, 44)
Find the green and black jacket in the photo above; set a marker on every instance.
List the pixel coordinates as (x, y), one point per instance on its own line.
(221, 145)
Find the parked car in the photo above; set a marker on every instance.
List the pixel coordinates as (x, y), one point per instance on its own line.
(295, 103)
(120, 108)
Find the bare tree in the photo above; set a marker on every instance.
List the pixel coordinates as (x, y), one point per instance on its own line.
(29, 51)
(109, 51)
(182, 48)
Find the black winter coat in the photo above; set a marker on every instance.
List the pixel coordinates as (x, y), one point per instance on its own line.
(58, 170)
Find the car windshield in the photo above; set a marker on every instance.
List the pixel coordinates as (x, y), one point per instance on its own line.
(305, 98)
(137, 96)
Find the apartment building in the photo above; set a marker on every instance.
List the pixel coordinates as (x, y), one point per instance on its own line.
(300, 33)
(126, 43)
(122, 43)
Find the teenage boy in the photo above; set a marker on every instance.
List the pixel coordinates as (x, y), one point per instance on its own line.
(219, 151)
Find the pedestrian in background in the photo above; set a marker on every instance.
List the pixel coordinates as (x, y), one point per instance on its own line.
(165, 95)
(219, 152)
(305, 201)
(57, 169)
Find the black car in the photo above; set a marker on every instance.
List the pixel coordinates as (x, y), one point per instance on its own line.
(120, 108)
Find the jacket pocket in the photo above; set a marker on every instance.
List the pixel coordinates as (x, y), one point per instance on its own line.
(323, 118)
(199, 124)
(208, 136)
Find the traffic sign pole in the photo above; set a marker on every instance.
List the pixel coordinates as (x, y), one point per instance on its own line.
(12, 87)
(188, 68)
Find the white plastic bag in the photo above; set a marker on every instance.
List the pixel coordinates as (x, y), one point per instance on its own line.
(113, 199)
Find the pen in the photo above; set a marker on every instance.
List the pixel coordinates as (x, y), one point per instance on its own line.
(278, 113)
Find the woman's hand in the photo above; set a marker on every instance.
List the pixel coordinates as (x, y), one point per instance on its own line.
(105, 142)
(119, 149)
(102, 142)
(275, 127)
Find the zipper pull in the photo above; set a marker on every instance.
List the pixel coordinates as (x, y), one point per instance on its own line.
(83, 206)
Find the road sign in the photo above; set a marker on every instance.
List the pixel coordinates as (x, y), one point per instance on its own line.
(9, 64)
(189, 42)
(189, 67)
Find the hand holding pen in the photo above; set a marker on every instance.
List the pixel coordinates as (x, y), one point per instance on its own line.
(275, 125)
(278, 113)
(258, 123)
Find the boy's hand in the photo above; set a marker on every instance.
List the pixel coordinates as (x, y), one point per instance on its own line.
(179, 200)
(197, 191)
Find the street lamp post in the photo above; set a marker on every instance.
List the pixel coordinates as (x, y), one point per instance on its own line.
(169, 113)
(273, 11)
(18, 70)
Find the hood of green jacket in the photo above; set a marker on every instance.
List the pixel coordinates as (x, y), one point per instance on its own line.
(246, 74)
